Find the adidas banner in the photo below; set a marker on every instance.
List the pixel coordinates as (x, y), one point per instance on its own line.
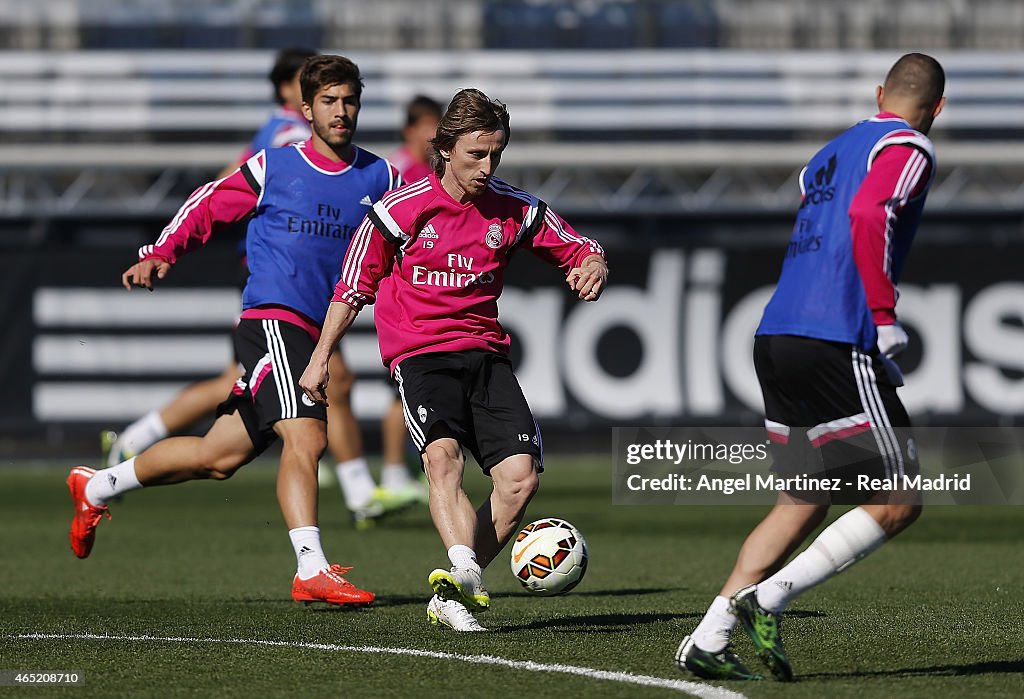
(671, 339)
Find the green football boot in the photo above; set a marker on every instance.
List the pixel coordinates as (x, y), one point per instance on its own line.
(107, 439)
(723, 665)
(382, 503)
(763, 627)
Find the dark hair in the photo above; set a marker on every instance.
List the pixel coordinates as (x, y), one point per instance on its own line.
(324, 71)
(917, 76)
(470, 110)
(286, 66)
(422, 106)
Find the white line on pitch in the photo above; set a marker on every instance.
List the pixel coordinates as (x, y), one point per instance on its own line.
(693, 688)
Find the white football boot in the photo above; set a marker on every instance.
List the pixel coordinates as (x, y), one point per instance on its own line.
(452, 614)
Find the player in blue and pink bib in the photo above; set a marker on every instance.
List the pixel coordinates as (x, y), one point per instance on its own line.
(305, 202)
(824, 358)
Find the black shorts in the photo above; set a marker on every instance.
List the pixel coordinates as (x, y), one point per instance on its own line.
(832, 412)
(472, 397)
(273, 354)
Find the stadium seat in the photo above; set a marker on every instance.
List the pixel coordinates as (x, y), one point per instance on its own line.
(998, 25)
(520, 25)
(687, 24)
(757, 24)
(609, 26)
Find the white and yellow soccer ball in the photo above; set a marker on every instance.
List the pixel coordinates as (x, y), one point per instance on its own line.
(549, 556)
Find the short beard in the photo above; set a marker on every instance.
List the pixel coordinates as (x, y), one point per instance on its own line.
(333, 141)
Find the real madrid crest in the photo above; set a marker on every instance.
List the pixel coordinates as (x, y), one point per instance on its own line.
(494, 238)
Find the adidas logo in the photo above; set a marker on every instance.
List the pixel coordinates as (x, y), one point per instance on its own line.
(304, 550)
(365, 201)
(112, 479)
(821, 190)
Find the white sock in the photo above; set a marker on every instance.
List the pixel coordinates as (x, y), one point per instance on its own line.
(356, 482)
(309, 554)
(713, 632)
(143, 433)
(394, 476)
(463, 557)
(111, 482)
(844, 542)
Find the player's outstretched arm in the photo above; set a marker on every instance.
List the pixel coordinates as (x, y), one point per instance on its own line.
(590, 278)
(144, 273)
(314, 379)
(209, 208)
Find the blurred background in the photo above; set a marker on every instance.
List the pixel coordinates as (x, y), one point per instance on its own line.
(671, 131)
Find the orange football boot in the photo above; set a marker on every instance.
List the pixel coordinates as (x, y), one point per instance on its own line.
(329, 586)
(87, 515)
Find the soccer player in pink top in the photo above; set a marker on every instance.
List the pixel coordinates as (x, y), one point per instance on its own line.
(432, 256)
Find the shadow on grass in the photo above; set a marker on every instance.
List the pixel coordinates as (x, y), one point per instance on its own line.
(992, 667)
(325, 608)
(399, 600)
(626, 592)
(594, 623)
(614, 623)
(803, 614)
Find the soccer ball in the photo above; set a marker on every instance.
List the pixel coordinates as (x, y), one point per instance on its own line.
(549, 556)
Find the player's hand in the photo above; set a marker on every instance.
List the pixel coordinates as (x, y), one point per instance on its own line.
(892, 339)
(144, 273)
(313, 381)
(589, 280)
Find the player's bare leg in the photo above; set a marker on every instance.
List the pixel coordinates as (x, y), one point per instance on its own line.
(450, 508)
(198, 400)
(844, 542)
(193, 403)
(217, 455)
(840, 545)
(304, 440)
(455, 519)
(706, 652)
(498, 519)
(343, 435)
(773, 540)
(394, 434)
(345, 443)
(395, 479)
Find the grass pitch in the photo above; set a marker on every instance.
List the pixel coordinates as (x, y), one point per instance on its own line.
(937, 612)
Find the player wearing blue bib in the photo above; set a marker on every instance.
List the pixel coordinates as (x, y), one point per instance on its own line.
(199, 400)
(823, 354)
(305, 202)
(364, 499)
(301, 222)
(820, 292)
